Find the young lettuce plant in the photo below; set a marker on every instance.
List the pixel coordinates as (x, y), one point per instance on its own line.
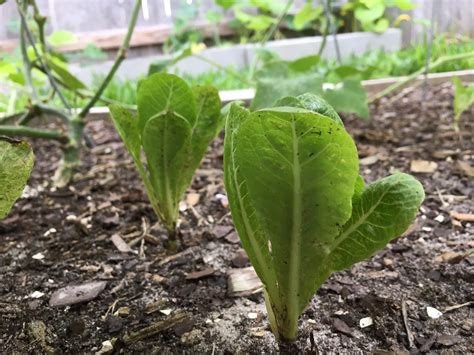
(174, 127)
(299, 205)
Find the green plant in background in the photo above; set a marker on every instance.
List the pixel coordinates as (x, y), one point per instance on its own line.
(183, 31)
(174, 127)
(253, 18)
(463, 99)
(371, 15)
(299, 205)
(342, 89)
(42, 77)
(16, 163)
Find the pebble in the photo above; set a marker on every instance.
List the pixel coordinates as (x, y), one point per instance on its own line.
(252, 315)
(433, 312)
(233, 238)
(366, 322)
(123, 311)
(107, 348)
(191, 338)
(114, 324)
(240, 259)
(70, 295)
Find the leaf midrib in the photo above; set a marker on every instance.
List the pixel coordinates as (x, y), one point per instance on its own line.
(363, 218)
(295, 241)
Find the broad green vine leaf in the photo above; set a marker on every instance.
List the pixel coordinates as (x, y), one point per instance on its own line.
(299, 205)
(16, 163)
(69, 79)
(175, 125)
(278, 79)
(58, 38)
(306, 14)
(271, 89)
(348, 96)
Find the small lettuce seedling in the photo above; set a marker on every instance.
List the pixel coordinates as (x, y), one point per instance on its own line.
(174, 127)
(16, 163)
(299, 205)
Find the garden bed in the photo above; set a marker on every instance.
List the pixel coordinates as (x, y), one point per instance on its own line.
(242, 56)
(185, 297)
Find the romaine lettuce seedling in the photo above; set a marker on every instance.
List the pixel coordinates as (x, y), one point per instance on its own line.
(299, 205)
(16, 163)
(174, 127)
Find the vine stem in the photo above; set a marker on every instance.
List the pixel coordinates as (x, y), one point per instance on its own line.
(51, 79)
(275, 26)
(229, 71)
(440, 61)
(22, 131)
(121, 55)
(24, 54)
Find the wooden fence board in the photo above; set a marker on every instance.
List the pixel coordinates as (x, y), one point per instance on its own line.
(81, 16)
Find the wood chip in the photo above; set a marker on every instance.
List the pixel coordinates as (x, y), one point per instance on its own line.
(382, 274)
(452, 257)
(192, 199)
(120, 244)
(243, 282)
(370, 160)
(196, 275)
(448, 340)
(464, 217)
(466, 167)
(155, 328)
(342, 327)
(423, 166)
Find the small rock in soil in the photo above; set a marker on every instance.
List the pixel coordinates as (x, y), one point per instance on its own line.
(123, 311)
(184, 327)
(233, 238)
(400, 248)
(191, 338)
(221, 231)
(342, 327)
(70, 295)
(240, 259)
(434, 275)
(107, 348)
(448, 340)
(114, 324)
(433, 313)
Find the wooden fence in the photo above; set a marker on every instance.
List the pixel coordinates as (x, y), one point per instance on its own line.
(110, 16)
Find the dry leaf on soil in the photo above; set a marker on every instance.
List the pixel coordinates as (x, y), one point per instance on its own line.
(423, 166)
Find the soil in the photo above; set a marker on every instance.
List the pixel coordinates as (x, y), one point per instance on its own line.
(55, 238)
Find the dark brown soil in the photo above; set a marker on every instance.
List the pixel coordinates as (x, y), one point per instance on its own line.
(427, 267)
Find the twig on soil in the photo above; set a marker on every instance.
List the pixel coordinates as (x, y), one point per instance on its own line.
(411, 338)
(457, 306)
(443, 201)
(110, 309)
(155, 328)
(170, 258)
